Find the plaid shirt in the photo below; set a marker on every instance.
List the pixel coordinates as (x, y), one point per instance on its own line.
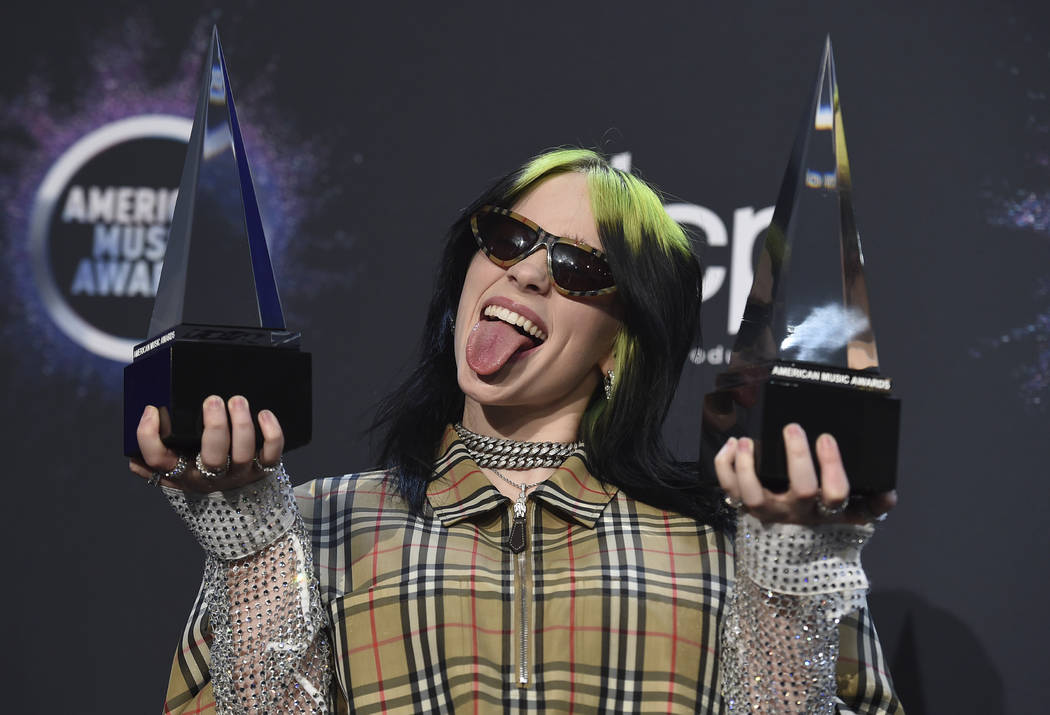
(613, 606)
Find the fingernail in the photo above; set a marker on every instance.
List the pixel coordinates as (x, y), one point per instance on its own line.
(747, 444)
(238, 402)
(265, 416)
(145, 414)
(826, 443)
(214, 402)
(794, 430)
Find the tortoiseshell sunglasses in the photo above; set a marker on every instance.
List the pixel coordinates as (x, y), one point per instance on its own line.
(575, 268)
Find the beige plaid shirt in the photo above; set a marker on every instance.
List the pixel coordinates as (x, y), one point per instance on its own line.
(613, 606)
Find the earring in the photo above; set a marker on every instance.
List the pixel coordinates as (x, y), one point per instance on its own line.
(452, 325)
(607, 382)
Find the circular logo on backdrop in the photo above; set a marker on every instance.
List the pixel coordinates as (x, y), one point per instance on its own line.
(99, 227)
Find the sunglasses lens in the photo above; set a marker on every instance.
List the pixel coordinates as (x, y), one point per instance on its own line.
(577, 270)
(503, 237)
(506, 239)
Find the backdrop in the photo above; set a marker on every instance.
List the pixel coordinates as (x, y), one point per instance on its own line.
(369, 125)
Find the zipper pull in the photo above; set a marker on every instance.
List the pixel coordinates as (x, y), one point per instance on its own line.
(516, 542)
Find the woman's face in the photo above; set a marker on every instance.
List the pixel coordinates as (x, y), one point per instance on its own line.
(497, 365)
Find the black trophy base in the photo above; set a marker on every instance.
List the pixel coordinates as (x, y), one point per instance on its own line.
(177, 376)
(866, 425)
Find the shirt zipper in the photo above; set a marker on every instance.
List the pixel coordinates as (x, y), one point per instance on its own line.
(523, 667)
(517, 542)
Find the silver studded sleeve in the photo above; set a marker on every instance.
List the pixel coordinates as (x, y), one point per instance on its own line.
(259, 610)
(780, 637)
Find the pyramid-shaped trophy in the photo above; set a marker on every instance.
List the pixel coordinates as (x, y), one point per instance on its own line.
(217, 325)
(805, 351)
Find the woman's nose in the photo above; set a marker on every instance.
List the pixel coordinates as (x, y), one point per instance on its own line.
(530, 273)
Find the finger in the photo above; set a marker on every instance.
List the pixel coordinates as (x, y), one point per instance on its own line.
(883, 503)
(724, 469)
(242, 449)
(273, 439)
(751, 492)
(137, 466)
(156, 476)
(724, 464)
(834, 485)
(215, 440)
(802, 475)
(154, 453)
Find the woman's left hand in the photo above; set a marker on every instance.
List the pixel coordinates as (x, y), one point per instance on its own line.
(807, 500)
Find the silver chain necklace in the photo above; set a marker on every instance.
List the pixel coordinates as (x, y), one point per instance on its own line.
(495, 453)
(498, 453)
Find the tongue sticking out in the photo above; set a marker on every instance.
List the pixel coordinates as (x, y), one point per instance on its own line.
(491, 344)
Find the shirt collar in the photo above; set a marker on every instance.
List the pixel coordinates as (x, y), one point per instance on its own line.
(460, 489)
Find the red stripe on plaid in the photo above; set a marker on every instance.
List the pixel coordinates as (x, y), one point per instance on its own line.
(195, 645)
(438, 492)
(583, 486)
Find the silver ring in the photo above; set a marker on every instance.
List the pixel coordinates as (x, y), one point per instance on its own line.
(271, 469)
(829, 511)
(212, 474)
(172, 474)
(733, 502)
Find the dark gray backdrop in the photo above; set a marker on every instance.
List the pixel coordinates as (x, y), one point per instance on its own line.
(375, 123)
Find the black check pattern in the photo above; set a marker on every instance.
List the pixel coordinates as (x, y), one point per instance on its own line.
(623, 602)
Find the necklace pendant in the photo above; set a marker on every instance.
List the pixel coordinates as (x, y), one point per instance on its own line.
(517, 529)
(516, 541)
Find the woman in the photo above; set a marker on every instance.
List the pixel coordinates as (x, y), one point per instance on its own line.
(532, 545)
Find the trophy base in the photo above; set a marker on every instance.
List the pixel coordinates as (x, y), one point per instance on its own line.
(177, 375)
(865, 423)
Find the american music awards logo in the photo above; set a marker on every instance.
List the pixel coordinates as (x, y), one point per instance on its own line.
(92, 163)
(99, 226)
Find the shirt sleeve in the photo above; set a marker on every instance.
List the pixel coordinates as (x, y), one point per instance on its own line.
(797, 637)
(862, 676)
(256, 640)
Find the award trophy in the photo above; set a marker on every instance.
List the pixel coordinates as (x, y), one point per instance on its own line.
(217, 325)
(805, 351)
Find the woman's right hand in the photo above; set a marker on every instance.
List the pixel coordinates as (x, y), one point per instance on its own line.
(218, 442)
